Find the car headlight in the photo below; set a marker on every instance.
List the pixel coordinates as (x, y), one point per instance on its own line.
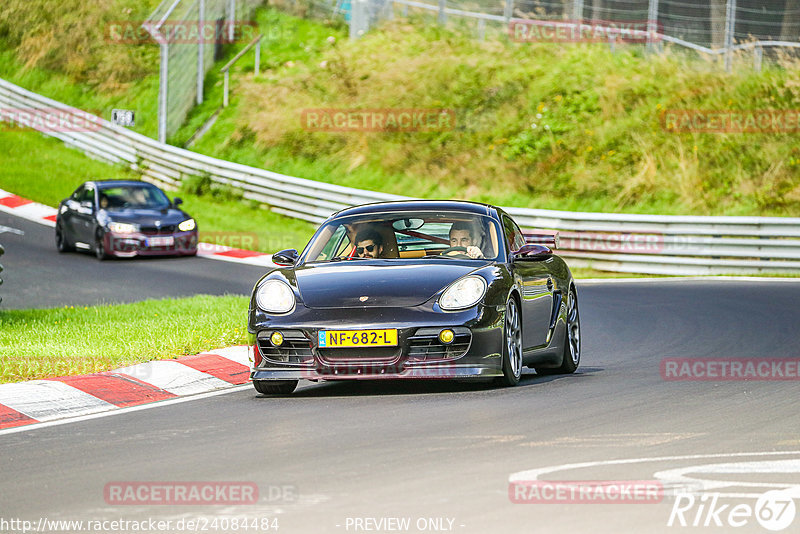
(187, 225)
(463, 293)
(275, 296)
(122, 228)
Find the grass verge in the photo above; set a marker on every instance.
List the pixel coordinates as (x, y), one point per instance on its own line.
(74, 341)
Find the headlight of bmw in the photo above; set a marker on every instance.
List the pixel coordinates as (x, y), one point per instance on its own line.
(187, 225)
(463, 293)
(122, 228)
(275, 296)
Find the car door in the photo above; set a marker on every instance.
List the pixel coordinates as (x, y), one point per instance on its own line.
(83, 216)
(536, 286)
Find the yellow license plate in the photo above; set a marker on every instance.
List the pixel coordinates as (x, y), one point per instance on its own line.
(357, 338)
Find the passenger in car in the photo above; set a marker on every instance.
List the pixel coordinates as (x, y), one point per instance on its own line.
(463, 234)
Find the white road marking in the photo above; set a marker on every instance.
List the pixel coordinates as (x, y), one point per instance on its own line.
(46, 400)
(9, 230)
(679, 476)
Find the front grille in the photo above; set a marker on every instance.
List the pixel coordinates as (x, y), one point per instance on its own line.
(424, 345)
(295, 349)
(167, 229)
(360, 355)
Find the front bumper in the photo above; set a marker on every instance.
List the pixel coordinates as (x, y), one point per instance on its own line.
(476, 353)
(139, 244)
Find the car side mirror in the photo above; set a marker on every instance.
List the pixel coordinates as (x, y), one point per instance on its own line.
(86, 207)
(532, 252)
(285, 258)
(177, 201)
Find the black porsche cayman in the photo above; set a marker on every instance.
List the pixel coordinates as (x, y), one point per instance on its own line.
(124, 218)
(414, 289)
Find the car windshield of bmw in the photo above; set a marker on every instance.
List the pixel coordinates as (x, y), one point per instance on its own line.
(133, 196)
(394, 235)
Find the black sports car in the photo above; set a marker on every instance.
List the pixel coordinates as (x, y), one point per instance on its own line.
(124, 218)
(417, 289)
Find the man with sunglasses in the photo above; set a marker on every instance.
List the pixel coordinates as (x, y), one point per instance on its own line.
(369, 244)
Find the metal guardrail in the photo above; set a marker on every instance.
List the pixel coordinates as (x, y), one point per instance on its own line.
(656, 244)
(2, 251)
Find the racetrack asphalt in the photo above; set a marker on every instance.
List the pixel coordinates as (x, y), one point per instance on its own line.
(37, 276)
(350, 451)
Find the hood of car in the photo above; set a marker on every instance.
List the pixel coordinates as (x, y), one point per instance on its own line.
(377, 283)
(148, 217)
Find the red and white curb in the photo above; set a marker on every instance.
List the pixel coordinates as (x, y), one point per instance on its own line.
(39, 213)
(39, 401)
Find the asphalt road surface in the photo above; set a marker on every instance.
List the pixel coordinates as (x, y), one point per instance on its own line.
(37, 276)
(367, 457)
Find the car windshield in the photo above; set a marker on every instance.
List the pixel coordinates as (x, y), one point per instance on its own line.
(144, 196)
(451, 235)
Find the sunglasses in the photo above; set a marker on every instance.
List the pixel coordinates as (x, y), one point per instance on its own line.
(360, 250)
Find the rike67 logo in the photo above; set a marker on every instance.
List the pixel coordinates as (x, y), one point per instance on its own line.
(774, 510)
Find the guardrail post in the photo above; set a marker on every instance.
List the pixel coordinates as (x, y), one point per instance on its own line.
(442, 14)
(258, 58)
(612, 43)
(231, 34)
(730, 25)
(652, 23)
(508, 12)
(225, 89)
(201, 10)
(481, 29)
(758, 54)
(359, 23)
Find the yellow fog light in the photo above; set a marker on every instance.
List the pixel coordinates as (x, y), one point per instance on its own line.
(276, 338)
(446, 336)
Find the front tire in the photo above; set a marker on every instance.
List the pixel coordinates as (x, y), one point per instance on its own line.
(572, 340)
(99, 248)
(275, 387)
(512, 345)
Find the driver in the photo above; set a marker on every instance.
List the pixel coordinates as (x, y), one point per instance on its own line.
(369, 244)
(462, 234)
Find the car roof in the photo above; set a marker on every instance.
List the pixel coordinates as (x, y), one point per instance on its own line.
(420, 205)
(101, 184)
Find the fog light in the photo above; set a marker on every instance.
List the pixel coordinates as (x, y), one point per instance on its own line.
(276, 338)
(446, 336)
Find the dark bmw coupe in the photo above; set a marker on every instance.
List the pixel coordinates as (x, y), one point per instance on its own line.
(416, 289)
(124, 218)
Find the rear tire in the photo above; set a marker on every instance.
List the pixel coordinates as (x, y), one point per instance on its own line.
(572, 340)
(512, 345)
(62, 244)
(275, 387)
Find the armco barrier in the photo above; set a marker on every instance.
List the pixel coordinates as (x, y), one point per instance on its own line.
(657, 244)
(2, 251)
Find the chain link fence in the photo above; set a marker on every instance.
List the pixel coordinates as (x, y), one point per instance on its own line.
(191, 34)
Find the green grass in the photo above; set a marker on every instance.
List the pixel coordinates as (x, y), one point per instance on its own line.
(59, 170)
(71, 341)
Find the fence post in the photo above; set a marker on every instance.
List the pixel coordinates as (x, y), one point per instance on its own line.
(258, 58)
(359, 24)
(163, 81)
(577, 11)
(481, 29)
(730, 25)
(226, 88)
(233, 21)
(652, 23)
(201, 11)
(508, 12)
(442, 14)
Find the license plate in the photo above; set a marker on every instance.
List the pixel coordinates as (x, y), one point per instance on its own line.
(167, 241)
(357, 338)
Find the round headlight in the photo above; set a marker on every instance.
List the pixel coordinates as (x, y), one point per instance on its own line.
(275, 296)
(187, 225)
(122, 228)
(463, 293)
